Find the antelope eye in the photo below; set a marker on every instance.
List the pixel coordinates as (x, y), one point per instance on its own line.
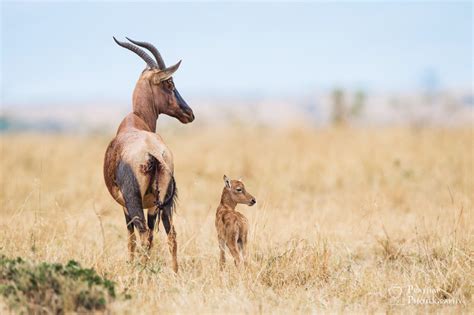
(239, 189)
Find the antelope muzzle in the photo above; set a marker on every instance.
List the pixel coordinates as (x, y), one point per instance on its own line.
(187, 113)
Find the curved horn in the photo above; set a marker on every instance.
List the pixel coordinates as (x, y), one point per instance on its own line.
(152, 49)
(140, 52)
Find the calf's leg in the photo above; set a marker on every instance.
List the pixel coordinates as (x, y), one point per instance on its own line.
(234, 250)
(222, 253)
(244, 252)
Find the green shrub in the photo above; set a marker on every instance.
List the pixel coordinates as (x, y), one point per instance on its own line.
(53, 288)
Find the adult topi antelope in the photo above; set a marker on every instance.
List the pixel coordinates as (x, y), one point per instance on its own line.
(138, 166)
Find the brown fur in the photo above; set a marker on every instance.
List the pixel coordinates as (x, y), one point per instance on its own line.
(232, 226)
(133, 145)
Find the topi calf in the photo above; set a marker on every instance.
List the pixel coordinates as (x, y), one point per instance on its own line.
(232, 226)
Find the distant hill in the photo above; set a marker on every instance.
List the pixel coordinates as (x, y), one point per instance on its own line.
(441, 108)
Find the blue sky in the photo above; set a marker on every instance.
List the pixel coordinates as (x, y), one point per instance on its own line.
(64, 52)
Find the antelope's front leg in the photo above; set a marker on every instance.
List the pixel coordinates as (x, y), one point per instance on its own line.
(151, 221)
(167, 218)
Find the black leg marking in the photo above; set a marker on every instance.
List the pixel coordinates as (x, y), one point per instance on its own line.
(151, 220)
(166, 221)
(128, 220)
(128, 185)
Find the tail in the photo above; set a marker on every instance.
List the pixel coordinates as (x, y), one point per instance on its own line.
(128, 185)
(171, 195)
(158, 155)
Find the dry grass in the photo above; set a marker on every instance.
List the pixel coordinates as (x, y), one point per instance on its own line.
(346, 219)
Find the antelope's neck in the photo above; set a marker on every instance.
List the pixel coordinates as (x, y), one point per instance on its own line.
(144, 106)
(226, 200)
(148, 118)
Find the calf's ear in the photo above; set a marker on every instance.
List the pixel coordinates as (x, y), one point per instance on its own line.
(227, 182)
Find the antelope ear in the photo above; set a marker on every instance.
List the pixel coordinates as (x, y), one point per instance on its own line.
(227, 181)
(166, 73)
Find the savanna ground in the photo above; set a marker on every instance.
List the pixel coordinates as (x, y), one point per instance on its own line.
(346, 219)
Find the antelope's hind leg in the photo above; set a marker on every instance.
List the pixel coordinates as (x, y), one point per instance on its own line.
(222, 253)
(130, 189)
(132, 240)
(234, 249)
(245, 254)
(167, 218)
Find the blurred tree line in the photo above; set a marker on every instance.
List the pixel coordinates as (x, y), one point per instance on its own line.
(343, 110)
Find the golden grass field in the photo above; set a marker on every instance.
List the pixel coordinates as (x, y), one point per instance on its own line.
(346, 219)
